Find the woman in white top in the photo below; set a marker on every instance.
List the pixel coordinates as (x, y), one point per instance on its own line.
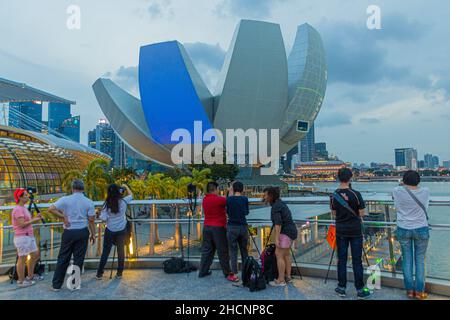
(114, 214)
(411, 203)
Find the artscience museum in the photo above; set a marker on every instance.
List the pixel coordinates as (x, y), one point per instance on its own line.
(260, 87)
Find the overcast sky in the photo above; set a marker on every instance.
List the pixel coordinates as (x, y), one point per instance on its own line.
(387, 88)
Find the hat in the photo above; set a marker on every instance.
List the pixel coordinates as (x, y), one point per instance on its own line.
(18, 193)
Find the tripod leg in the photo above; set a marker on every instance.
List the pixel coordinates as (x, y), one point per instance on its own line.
(329, 265)
(14, 270)
(254, 242)
(296, 265)
(365, 256)
(112, 265)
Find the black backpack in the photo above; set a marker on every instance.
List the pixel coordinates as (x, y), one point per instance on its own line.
(177, 265)
(269, 263)
(252, 276)
(39, 269)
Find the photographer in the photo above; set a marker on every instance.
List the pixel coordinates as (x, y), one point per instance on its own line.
(24, 239)
(78, 213)
(237, 228)
(285, 233)
(114, 214)
(215, 233)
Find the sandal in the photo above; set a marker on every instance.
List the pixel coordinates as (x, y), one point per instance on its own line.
(411, 294)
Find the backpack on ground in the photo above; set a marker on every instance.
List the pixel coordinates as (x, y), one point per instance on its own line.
(269, 263)
(252, 276)
(177, 265)
(39, 269)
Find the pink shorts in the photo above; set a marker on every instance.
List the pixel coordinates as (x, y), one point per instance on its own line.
(285, 241)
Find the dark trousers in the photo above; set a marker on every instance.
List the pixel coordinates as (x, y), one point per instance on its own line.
(109, 239)
(237, 238)
(214, 238)
(356, 244)
(73, 242)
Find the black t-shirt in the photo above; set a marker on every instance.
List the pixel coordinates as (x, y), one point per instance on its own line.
(347, 224)
(281, 215)
(237, 209)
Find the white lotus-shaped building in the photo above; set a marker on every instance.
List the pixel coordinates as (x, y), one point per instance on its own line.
(259, 87)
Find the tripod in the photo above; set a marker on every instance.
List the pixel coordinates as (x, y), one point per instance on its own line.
(192, 199)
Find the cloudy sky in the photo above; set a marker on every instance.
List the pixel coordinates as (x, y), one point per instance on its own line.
(387, 88)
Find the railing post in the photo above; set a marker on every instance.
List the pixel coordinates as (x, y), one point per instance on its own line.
(52, 233)
(1, 242)
(389, 232)
(176, 237)
(99, 240)
(199, 224)
(151, 242)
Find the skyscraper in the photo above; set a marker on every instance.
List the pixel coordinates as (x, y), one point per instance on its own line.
(105, 138)
(71, 128)
(92, 140)
(307, 146)
(435, 162)
(57, 113)
(26, 115)
(406, 158)
(321, 152)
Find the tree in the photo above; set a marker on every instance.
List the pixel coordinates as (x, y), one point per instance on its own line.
(67, 179)
(123, 175)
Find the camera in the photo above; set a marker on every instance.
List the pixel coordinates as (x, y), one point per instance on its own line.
(31, 190)
(121, 190)
(191, 189)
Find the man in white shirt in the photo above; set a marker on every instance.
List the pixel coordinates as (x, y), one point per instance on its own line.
(78, 213)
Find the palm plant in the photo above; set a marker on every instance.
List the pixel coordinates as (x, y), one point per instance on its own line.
(67, 179)
(97, 179)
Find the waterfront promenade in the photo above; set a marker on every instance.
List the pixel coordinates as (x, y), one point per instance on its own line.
(154, 284)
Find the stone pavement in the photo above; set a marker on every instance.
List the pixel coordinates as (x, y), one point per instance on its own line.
(154, 284)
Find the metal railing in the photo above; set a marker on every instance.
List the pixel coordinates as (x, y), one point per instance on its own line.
(160, 230)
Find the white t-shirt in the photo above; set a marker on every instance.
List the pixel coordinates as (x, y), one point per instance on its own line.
(77, 208)
(409, 214)
(116, 221)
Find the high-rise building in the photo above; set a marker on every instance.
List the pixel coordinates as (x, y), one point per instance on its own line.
(435, 162)
(321, 152)
(288, 160)
(307, 146)
(71, 128)
(421, 164)
(26, 115)
(406, 158)
(57, 113)
(92, 139)
(105, 138)
(446, 164)
(428, 161)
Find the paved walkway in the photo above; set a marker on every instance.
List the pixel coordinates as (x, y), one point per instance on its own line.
(155, 284)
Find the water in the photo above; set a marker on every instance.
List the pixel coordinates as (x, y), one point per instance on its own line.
(438, 254)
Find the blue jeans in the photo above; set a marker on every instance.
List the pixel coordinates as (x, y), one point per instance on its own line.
(414, 245)
(356, 244)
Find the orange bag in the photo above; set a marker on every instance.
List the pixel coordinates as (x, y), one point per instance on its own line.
(331, 236)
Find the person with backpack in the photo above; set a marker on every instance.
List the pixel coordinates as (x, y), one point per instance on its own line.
(24, 239)
(78, 213)
(285, 233)
(347, 207)
(215, 233)
(411, 203)
(114, 214)
(237, 228)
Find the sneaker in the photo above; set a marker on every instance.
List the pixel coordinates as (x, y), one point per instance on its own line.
(340, 291)
(232, 278)
(55, 289)
(363, 293)
(208, 273)
(99, 277)
(288, 280)
(118, 276)
(25, 283)
(421, 295)
(35, 277)
(275, 283)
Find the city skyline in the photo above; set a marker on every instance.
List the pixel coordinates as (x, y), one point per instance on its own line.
(384, 86)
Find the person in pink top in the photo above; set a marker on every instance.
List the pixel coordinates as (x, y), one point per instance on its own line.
(24, 240)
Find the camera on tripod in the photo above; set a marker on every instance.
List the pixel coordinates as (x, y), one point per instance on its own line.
(31, 191)
(192, 190)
